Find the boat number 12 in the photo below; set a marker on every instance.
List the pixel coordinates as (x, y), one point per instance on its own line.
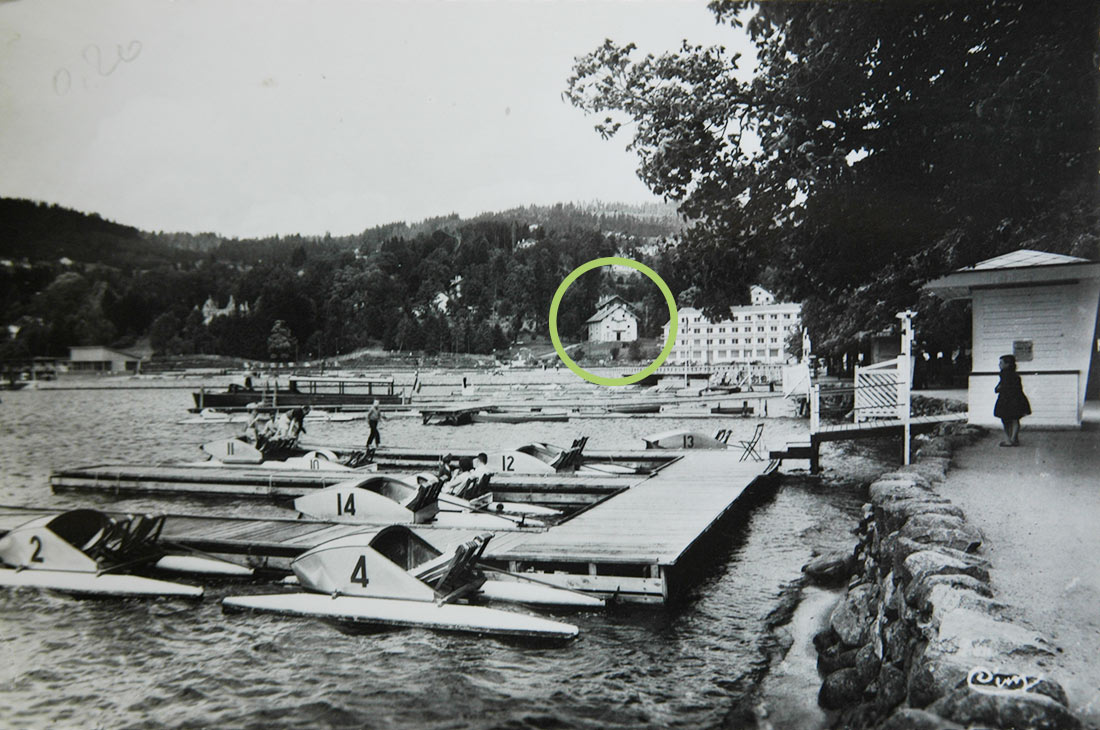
(507, 463)
(37, 542)
(345, 506)
(359, 572)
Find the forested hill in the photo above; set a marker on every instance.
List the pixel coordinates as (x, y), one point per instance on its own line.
(445, 284)
(40, 232)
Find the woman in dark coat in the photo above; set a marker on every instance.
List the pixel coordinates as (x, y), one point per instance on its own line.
(1012, 404)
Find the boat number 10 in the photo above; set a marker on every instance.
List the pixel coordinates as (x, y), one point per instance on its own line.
(345, 506)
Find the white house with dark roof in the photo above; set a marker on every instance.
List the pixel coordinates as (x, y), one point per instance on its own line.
(1042, 308)
(614, 321)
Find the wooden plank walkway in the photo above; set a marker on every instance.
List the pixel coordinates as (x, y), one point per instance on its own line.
(655, 521)
(850, 431)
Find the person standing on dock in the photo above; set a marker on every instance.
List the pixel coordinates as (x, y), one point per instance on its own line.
(373, 417)
(1012, 404)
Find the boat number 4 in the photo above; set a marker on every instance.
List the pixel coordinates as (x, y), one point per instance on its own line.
(359, 572)
(345, 506)
(37, 542)
(507, 463)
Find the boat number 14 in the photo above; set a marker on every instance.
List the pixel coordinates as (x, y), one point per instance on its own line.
(345, 506)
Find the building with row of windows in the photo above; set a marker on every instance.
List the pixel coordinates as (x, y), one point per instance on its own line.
(756, 332)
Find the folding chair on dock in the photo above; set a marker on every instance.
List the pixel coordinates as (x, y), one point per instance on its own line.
(750, 446)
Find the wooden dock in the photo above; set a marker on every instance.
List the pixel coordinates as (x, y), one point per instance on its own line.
(287, 484)
(867, 429)
(641, 537)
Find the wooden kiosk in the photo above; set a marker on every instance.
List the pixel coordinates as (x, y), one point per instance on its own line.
(1042, 308)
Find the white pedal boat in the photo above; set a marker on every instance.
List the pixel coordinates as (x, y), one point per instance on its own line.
(687, 439)
(395, 578)
(390, 498)
(79, 551)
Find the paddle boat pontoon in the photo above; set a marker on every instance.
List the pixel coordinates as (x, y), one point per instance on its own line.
(396, 577)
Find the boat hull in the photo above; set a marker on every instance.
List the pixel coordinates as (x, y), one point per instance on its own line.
(290, 399)
(90, 584)
(519, 417)
(396, 613)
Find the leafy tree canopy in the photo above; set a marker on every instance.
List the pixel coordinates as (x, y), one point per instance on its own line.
(877, 145)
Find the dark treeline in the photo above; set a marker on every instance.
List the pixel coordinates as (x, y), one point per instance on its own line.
(443, 285)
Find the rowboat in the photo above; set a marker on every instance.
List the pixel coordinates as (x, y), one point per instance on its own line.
(235, 452)
(635, 408)
(83, 552)
(396, 577)
(519, 416)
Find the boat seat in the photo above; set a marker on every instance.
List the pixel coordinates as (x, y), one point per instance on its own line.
(426, 494)
(461, 576)
(569, 459)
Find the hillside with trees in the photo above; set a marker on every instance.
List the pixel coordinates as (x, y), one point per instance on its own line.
(442, 285)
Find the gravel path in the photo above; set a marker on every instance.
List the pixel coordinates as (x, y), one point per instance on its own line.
(1039, 507)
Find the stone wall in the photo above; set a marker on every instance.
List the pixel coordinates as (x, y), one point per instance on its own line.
(919, 618)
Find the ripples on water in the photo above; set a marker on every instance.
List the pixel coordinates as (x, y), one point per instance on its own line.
(172, 664)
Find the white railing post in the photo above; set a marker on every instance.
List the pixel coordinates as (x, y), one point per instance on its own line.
(815, 407)
(905, 377)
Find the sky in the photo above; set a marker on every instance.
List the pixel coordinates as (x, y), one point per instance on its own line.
(259, 117)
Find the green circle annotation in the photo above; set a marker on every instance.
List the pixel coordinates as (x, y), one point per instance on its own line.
(672, 328)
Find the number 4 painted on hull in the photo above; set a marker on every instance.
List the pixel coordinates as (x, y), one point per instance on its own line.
(359, 573)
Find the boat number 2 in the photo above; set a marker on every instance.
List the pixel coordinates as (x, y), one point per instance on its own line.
(37, 542)
(359, 573)
(345, 506)
(507, 463)
(689, 441)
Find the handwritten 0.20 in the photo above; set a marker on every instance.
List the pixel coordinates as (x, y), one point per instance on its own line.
(99, 62)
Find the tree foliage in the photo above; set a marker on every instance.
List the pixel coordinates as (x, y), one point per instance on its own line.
(877, 145)
(465, 286)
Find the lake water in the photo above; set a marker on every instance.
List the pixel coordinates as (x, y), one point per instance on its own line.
(166, 664)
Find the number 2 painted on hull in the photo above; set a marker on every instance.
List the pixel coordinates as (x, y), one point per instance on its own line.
(359, 572)
(37, 542)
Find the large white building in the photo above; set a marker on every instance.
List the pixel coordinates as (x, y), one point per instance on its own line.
(614, 321)
(756, 332)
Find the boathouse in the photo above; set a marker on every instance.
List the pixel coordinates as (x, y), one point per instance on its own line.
(102, 360)
(614, 321)
(1042, 308)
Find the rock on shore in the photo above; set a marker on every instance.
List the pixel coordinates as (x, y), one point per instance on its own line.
(919, 640)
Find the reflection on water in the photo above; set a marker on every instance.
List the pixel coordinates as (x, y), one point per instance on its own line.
(72, 663)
